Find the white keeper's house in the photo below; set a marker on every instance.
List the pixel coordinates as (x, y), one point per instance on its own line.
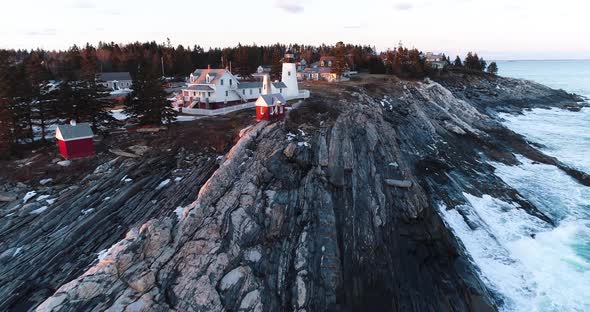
(216, 88)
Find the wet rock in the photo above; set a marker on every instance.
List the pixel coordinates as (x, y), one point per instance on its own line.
(399, 183)
(7, 197)
(139, 149)
(289, 151)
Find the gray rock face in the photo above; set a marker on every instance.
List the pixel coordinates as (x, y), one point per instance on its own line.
(300, 214)
(58, 233)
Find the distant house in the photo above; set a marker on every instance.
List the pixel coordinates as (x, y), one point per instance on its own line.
(270, 107)
(75, 140)
(301, 65)
(115, 80)
(309, 74)
(436, 61)
(317, 73)
(327, 61)
(262, 70)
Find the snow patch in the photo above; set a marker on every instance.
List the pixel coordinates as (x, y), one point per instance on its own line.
(102, 254)
(231, 278)
(64, 163)
(179, 211)
(45, 181)
(163, 184)
(42, 197)
(253, 255)
(39, 211)
(119, 114)
(28, 196)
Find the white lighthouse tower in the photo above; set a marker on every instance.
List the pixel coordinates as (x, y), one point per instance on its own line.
(289, 76)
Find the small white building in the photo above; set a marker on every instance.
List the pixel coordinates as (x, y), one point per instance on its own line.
(115, 81)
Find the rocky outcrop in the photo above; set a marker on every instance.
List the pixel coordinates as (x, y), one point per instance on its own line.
(494, 93)
(54, 232)
(333, 209)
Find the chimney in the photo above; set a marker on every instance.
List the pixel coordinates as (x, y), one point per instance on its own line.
(266, 86)
(73, 122)
(209, 66)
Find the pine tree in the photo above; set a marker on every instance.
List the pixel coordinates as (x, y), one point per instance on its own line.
(482, 64)
(148, 103)
(91, 97)
(376, 65)
(22, 108)
(242, 59)
(458, 62)
(6, 104)
(277, 67)
(493, 68)
(38, 78)
(339, 65)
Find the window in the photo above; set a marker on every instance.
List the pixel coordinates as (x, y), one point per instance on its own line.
(259, 90)
(250, 91)
(289, 73)
(280, 90)
(208, 93)
(226, 92)
(230, 82)
(244, 91)
(222, 82)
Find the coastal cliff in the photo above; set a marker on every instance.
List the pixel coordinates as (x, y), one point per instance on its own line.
(333, 209)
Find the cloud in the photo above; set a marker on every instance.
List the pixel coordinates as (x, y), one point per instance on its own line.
(356, 26)
(404, 6)
(83, 4)
(43, 32)
(113, 12)
(291, 6)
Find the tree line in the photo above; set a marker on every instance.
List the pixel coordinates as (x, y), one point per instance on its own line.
(181, 60)
(474, 63)
(411, 63)
(32, 102)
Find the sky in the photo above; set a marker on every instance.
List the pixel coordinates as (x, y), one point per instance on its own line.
(496, 29)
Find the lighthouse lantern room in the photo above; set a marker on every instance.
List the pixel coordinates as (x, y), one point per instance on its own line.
(289, 75)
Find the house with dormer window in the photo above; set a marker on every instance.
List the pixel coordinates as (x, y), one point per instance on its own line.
(215, 88)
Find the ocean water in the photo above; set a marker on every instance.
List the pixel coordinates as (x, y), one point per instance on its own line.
(529, 264)
(570, 75)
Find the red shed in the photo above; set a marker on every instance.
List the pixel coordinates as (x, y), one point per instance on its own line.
(270, 107)
(75, 140)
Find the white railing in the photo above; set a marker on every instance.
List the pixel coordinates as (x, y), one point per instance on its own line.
(303, 94)
(219, 111)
